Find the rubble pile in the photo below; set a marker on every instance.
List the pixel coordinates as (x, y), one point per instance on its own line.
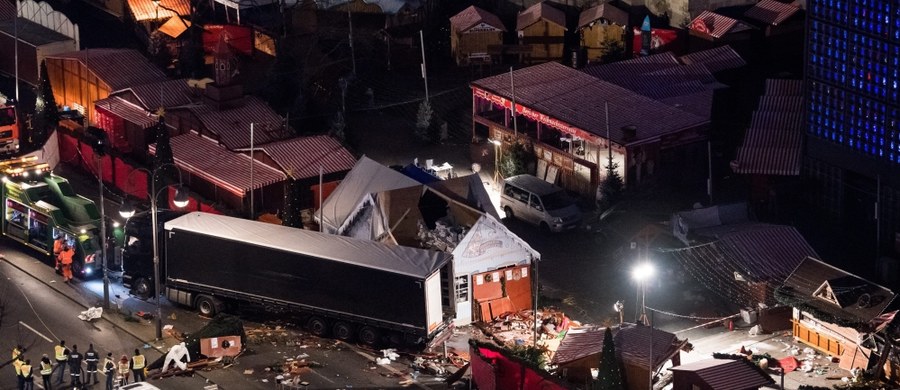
(518, 328)
(445, 236)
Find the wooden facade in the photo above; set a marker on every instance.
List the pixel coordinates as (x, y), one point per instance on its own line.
(593, 38)
(543, 29)
(75, 86)
(472, 46)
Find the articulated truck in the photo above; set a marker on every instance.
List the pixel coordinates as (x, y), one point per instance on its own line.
(340, 286)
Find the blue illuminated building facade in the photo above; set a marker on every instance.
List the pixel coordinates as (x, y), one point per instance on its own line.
(853, 112)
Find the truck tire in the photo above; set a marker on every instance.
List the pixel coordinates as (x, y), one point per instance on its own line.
(509, 213)
(369, 335)
(317, 326)
(141, 288)
(208, 306)
(342, 331)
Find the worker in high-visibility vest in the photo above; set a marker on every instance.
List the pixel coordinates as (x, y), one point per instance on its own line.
(16, 351)
(27, 375)
(65, 258)
(109, 368)
(46, 371)
(18, 362)
(61, 356)
(137, 366)
(124, 370)
(58, 245)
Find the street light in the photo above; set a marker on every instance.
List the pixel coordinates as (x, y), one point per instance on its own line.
(127, 211)
(641, 274)
(497, 146)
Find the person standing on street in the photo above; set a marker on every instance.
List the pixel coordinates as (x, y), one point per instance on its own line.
(46, 371)
(58, 245)
(137, 366)
(65, 258)
(17, 365)
(124, 370)
(109, 368)
(27, 375)
(62, 354)
(75, 359)
(92, 358)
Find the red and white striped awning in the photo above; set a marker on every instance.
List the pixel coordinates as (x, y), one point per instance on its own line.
(204, 158)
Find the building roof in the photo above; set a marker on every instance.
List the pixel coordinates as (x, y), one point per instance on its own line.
(302, 157)
(578, 99)
(174, 27)
(474, 16)
(728, 373)
(389, 7)
(128, 111)
(172, 93)
(773, 144)
(7, 10)
(716, 59)
(814, 281)
(366, 177)
(30, 32)
(118, 68)
(715, 25)
(632, 345)
(202, 157)
(771, 12)
(232, 125)
(147, 9)
(540, 11)
(784, 87)
(603, 11)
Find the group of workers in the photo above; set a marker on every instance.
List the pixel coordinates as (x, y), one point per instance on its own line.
(117, 372)
(64, 254)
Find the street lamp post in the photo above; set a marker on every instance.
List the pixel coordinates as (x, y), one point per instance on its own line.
(641, 274)
(127, 210)
(497, 146)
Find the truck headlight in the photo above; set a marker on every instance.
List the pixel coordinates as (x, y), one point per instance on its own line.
(558, 220)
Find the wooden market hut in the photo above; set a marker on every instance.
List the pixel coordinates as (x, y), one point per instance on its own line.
(601, 24)
(543, 28)
(472, 32)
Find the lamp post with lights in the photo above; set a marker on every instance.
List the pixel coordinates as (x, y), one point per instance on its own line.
(497, 149)
(127, 211)
(641, 274)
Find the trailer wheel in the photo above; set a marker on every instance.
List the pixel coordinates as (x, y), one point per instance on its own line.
(509, 213)
(208, 306)
(141, 288)
(342, 331)
(369, 335)
(317, 326)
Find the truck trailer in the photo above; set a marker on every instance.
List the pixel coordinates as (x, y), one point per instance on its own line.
(341, 286)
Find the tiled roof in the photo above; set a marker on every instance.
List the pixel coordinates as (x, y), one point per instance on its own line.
(629, 68)
(715, 59)
(303, 156)
(174, 27)
(31, 32)
(474, 16)
(773, 145)
(577, 99)
(232, 125)
(812, 273)
(147, 9)
(784, 87)
(728, 373)
(7, 10)
(716, 25)
(202, 157)
(119, 68)
(539, 11)
(128, 111)
(603, 11)
(771, 12)
(174, 93)
(632, 344)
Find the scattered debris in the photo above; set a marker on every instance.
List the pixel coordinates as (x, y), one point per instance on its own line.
(91, 314)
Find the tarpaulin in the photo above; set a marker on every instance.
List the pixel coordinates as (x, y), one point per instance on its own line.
(788, 364)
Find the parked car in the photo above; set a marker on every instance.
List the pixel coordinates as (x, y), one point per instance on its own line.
(540, 203)
(139, 386)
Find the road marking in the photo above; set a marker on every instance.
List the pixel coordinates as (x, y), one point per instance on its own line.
(36, 332)
(322, 376)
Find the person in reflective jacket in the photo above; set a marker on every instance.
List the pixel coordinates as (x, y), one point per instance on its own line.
(46, 371)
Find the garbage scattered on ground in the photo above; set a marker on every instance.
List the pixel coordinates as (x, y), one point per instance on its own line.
(91, 314)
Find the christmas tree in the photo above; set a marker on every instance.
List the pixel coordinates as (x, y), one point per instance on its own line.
(611, 186)
(46, 115)
(291, 214)
(609, 377)
(163, 162)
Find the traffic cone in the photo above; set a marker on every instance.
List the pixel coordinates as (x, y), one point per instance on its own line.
(730, 325)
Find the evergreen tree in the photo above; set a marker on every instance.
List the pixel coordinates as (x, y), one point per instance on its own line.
(609, 376)
(291, 215)
(514, 160)
(338, 127)
(423, 120)
(46, 115)
(612, 185)
(163, 162)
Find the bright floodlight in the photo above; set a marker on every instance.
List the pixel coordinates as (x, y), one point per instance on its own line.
(127, 210)
(493, 141)
(643, 272)
(181, 197)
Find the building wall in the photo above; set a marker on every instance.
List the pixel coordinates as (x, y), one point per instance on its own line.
(463, 44)
(578, 372)
(546, 40)
(27, 55)
(75, 86)
(592, 38)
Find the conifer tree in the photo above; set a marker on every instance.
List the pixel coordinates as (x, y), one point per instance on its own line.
(291, 214)
(612, 185)
(46, 115)
(609, 376)
(163, 162)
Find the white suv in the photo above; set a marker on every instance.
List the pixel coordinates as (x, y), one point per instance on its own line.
(540, 203)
